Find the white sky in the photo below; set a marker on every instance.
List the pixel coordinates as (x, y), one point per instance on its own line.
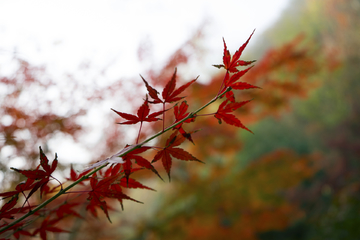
(64, 34)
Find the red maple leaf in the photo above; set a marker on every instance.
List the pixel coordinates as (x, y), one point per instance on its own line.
(66, 209)
(38, 174)
(20, 231)
(48, 226)
(127, 165)
(171, 151)
(99, 192)
(237, 86)
(142, 115)
(8, 210)
(169, 94)
(152, 92)
(223, 113)
(20, 188)
(112, 170)
(116, 192)
(105, 188)
(231, 63)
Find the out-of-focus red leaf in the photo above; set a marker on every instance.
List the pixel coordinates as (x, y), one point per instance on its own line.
(8, 210)
(116, 192)
(66, 209)
(20, 188)
(20, 231)
(32, 174)
(48, 226)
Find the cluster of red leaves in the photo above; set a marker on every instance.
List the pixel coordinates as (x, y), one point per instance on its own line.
(42, 175)
(231, 65)
(107, 184)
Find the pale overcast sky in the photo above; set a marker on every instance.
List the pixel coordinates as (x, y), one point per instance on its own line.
(63, 34)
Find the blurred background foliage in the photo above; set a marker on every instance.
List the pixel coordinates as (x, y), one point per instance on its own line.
(297, 177)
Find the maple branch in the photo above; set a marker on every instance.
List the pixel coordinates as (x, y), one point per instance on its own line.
(61, 192)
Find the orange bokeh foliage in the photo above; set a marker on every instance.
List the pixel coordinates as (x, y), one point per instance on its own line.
(286, 73)
(264, 197)
(258, 198)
